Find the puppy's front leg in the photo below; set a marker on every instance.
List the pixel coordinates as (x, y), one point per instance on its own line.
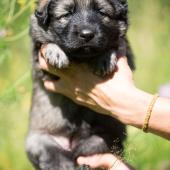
(55, 56)
(105, 65)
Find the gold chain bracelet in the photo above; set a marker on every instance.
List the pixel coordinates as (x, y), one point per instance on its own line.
(148, 114)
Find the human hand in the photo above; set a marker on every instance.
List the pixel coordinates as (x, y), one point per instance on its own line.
(77, 82)
(106, 161)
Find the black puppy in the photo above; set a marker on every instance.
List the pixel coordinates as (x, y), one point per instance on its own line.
(90, 31)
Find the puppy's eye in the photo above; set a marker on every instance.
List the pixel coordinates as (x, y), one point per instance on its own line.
(104, 13)
(65, 15)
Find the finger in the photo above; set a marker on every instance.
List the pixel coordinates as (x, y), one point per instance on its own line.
(96, 161)
(122, 61)
(54, 86)
(92, 161)
(123, 67)
(60, 86)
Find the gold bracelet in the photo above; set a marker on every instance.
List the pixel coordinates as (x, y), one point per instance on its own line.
(149, 112)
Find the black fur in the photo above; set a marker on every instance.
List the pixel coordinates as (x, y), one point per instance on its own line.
(90, 31)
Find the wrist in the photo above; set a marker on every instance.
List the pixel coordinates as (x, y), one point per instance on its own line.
(134, 107)
(140, 106)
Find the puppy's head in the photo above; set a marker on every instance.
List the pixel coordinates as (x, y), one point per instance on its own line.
(84, 27)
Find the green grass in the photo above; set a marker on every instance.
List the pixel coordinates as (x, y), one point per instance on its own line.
(150, 39)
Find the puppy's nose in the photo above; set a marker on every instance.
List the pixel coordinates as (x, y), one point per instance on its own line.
(87, 34)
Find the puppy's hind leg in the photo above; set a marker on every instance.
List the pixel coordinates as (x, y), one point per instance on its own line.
(46, 154)
(90, 146)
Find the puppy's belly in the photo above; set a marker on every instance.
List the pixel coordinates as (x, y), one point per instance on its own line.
(66, 143)
(63, 141)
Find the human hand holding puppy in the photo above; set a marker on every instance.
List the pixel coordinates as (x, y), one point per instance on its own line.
(116, 96)
(82, 86)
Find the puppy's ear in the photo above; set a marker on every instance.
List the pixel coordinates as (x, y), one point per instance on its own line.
(121, 8)
(123, 1)
(42, 12)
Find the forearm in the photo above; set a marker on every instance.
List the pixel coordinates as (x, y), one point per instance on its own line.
(133, 112)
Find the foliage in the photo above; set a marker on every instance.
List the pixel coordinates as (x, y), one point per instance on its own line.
(150, 39)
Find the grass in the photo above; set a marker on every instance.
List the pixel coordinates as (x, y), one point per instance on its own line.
(150, 39)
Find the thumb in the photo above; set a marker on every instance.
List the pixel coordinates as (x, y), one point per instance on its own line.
(124, 69)
(122, 62)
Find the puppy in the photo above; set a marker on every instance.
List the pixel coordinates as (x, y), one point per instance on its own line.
(89, 31)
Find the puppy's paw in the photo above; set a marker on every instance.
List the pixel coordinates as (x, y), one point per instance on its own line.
(55, 56)
(105, 65)
(83, 167)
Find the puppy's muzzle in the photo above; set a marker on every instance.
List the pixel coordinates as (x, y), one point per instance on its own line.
(86, 34)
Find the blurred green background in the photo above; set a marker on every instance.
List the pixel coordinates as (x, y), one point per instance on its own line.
(149, 35)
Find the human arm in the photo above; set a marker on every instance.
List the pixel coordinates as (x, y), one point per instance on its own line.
(117, 96)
